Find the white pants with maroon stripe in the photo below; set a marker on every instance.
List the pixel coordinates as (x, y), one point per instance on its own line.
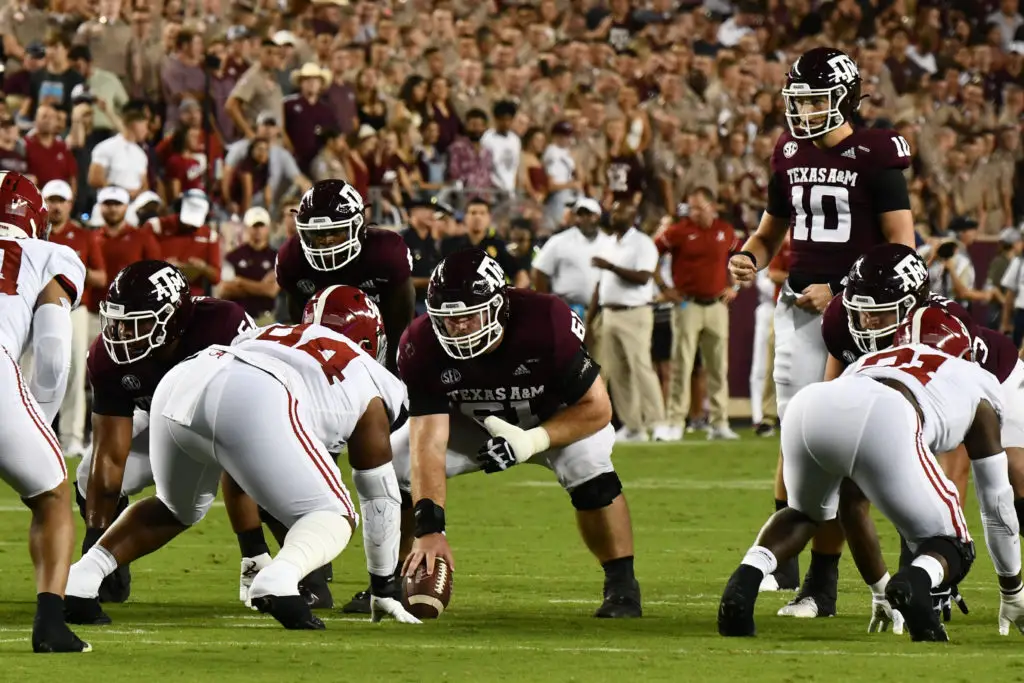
(30, 457)
(247, 424)
(858, 428)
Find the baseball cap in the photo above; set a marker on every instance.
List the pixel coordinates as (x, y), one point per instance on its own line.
(188, 103)
(81, 94)
(36, 49)
(587, 204)
(256, 215)
(1017, 47)
(113, 193)
(57, 188)
(961, 223)
(80, 52)
(195, 207)
(266, 118)
(1009, 235)
(237, 32)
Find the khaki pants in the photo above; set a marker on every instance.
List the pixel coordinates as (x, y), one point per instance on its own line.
(768, 408)
(706, 328)
(626, 358)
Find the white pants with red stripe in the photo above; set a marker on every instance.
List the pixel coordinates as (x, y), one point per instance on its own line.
(858, 428)
(30, 457)
(248, 424)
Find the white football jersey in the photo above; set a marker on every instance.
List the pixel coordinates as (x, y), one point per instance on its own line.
(26, 267)
(333, 375)
(947, 389)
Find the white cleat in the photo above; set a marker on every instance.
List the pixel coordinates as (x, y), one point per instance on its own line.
(251, 566)
(668, 433)
(627, 435)
(724, 433)
(769, 584)
(804, 608)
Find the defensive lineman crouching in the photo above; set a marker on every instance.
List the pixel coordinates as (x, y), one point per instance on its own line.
(498, 377)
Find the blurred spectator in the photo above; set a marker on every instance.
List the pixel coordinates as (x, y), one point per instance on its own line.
(623, 296)
(1008, 19)
(480, 233)
(562, 173)
(146, 52)
(85, 243)
(504, 145)
(563, 265)
(250, 179)
(423, 237)
(271, 160)
(412, 101)
(521, 243)
(12, 147)
(21, 23)
(186, 164)
(1010, 240)
(469, 162)
(340, 95)
(182, 75)
(332, 159)
(102, 87)
(700, 245)
(248, 274)
(532, 176)
(120, 160)
(431, 162)
(306, 113)
(1013, 307)
(187, 242)
(53, 83)
(623, 168)
(18, 84)
(121, 243)
(257, 92)
(442, 112)
(950, 270)
(47, 156)
(107, 36)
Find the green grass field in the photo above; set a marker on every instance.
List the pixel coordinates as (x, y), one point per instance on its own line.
(524, 591)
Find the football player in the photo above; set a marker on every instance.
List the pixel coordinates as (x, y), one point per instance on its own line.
(40, 283)
(838, 190)
(316, 387)
(500, 376)
(149, 323)
(922, 396)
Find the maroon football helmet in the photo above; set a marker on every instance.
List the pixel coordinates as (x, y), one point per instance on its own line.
(330, 222)
(348, 311)
(148, 306)
(22, 209)
(881, 289)
(935, 327)
(466, 303)
(827, 80)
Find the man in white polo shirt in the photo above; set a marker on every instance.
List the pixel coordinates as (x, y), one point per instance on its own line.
(120, 160)
(623, 295)
(563, 265)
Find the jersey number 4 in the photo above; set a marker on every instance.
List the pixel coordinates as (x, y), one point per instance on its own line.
(10, 267)
(332, 355)
(827, 223)
(920, 366)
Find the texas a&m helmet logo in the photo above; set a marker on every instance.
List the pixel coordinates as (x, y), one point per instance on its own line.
(911, 272)
(169, 284)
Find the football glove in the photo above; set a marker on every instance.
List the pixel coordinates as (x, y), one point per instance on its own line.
(1011, 611)
(496, 455)
(390, 607)
(883, 616)
(524, 444)
(942, 602)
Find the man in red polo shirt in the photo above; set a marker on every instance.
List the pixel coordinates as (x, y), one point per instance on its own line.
(86, 244)
(700, 245)
(48, 157)
(188, 243)
(121, 243)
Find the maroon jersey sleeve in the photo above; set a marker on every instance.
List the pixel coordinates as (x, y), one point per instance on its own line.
(573, 368)
(418, 369)
(214, 321)
(109, 395)
(835, 331)
(995, 352)
(387, 256)
(883, 148)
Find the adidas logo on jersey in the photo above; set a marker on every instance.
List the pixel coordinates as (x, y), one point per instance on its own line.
(521, 370)
(849, 154)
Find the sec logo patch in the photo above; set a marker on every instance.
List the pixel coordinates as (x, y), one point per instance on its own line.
(306, 286)
(450, 376)
(131, 383)
(789, 149)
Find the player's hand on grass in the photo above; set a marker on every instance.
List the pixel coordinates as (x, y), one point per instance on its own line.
(425, 550)
(883, 616)
(390, 607)
(1011, 611)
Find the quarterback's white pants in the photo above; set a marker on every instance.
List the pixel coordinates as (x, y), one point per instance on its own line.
(1013, 408)
(72, 410)
(573, 464)
(763, 315)
(858, 428)
(31, 461)
(138, 471)
(245, 422)
(800, 352)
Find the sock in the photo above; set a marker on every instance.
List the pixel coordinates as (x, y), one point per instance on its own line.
(253, 543)
(762, 559)
(88, 573)
(49, 607)
(932, 567)
(619, 570)
(380, 504)
(314, 540)
(906, 554)
(781, 504)
(823, 565)
(1018, 505)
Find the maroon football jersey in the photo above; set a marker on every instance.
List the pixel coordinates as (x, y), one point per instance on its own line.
(827, 196)
(119, 389)
(539, 366)
(625, 177)
(383, 264)
(993, 351)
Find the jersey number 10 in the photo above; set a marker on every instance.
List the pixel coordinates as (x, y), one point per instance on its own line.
(825, 226)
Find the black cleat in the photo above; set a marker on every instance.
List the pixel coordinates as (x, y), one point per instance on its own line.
(117, 587)
(291, 611)
(56, 637)
(359, 604)
(910, 593)
(328, 570)
(315, 591)
(765, 428)
(84, 611)
(620, 602)
(736, 610)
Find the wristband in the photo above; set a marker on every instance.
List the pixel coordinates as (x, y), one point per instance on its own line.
(429, 518)
(750, 256)
(878, 588)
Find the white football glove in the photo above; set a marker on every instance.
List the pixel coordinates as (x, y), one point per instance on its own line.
(883, 616)
(251, 566)
(390, 607)
(525, 443)
(1011, 611)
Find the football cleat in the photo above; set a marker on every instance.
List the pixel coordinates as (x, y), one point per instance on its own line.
(117, 587)
(251, 566)
(86, 611)
(620, 602)
(359, 604)
(910, 593)
(315, 591)
(56, 637)
(736, 610)
(291, 611)
(785, 578)
(809, 607)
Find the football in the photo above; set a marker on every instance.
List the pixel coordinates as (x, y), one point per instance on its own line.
(427, 595)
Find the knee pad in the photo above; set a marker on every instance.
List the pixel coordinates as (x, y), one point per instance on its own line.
(959, 557)
(596, 493)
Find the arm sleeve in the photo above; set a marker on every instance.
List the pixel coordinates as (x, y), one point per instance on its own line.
(888, 189)
(579, 375)
(778, 204)
(51, 350)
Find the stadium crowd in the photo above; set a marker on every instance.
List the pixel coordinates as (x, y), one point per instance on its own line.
(500, 124)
